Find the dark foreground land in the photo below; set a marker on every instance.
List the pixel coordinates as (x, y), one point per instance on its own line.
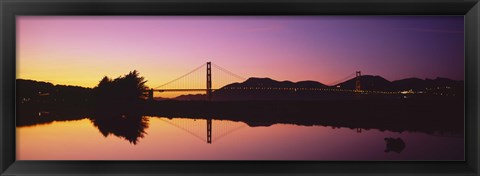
(422, 115)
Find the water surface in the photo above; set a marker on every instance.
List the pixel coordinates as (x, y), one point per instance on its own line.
(160, 138)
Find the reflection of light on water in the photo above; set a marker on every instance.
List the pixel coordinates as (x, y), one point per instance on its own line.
(43, 113)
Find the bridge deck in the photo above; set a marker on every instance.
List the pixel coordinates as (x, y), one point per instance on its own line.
(181, 90)
(284, 89)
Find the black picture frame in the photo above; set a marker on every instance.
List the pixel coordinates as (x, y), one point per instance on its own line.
(11, 8)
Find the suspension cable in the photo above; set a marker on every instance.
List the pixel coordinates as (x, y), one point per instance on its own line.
(181, 76)
(229, 72)
(341, 80)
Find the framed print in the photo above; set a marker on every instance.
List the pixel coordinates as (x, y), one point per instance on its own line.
(254, 87)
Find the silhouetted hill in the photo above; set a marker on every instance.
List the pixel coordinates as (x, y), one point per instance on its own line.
(310, 84)
(422, 85)
(444, 82)
(368, 82)
(29, 91)
(38, 99)
(267, 82)
(416, 84)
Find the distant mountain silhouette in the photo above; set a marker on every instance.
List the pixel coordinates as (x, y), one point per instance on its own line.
(416, 84)
(378, 83)
(267, 82)
(237, 91)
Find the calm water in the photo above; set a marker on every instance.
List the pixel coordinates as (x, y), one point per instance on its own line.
(159, 138)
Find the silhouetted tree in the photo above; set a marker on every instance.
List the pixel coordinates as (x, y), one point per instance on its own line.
(126, 89)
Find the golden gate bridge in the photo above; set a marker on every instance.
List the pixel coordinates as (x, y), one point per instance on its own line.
(200, 79)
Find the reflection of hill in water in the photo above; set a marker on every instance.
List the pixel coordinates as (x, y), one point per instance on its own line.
(28, 115)
(422, 116)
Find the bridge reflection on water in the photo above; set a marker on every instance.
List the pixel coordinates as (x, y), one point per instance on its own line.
(203, 128)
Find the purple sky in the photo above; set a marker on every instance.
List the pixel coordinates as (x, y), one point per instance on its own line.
(81, 50)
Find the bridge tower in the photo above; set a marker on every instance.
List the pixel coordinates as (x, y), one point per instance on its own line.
(209, 97)
(150, 94)
(209, 81)
(358, 74)
(209, 131)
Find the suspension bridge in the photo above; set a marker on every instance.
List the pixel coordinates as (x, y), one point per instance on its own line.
(200, 79)
(193, 81)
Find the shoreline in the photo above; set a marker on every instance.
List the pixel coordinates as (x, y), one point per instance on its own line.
(393, 115)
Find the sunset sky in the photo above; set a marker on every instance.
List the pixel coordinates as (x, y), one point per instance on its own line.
(81, 50)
